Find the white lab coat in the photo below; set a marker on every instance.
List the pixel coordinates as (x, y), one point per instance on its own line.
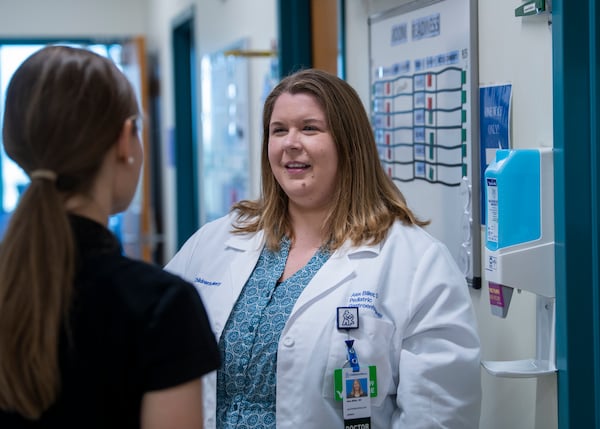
(416, 326)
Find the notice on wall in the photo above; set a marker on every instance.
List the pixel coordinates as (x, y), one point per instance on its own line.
(422, 75)
(494, 127)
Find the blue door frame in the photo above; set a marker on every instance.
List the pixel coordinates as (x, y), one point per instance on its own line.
(294, 36)
(577, 158)
(184, 135)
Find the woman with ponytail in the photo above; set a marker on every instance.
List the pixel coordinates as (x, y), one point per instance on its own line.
(88, 337)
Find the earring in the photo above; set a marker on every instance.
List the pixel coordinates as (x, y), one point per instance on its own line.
(130, 160)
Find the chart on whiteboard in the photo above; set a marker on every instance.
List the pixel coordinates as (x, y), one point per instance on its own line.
(419, 121)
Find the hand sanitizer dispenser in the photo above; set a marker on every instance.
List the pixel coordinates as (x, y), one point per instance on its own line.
(519, 248)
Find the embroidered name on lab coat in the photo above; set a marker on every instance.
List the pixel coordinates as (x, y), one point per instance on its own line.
(202, 281)
(365, 299)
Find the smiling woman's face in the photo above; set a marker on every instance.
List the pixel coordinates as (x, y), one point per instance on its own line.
(302, 153)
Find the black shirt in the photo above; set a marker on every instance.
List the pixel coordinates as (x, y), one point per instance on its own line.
(134, 328)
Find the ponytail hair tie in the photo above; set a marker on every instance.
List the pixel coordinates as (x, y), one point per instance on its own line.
(43, 174)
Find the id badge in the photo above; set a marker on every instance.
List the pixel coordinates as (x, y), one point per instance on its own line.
(356, 398)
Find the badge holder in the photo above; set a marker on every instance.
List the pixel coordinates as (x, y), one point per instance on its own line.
(354, 386)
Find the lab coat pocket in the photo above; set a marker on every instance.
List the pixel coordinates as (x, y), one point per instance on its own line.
(373, 344)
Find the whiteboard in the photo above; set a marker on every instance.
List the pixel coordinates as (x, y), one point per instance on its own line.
(423, 77)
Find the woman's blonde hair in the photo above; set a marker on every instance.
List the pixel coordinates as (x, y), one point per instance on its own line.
(367, 200)
(65, 108)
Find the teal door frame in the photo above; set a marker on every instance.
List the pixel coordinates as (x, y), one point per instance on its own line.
(294, 36)
(576, 82)
(185, 140)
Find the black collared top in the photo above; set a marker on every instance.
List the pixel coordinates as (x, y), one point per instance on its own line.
(133, 328)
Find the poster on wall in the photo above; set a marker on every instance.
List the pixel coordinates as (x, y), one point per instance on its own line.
(423, 69)
(494, 120)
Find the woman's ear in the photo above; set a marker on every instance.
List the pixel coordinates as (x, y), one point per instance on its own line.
(124, 149)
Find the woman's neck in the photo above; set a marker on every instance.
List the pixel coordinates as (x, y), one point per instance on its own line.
(307, 228)
(87, 207)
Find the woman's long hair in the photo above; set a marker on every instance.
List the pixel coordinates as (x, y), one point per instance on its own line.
(367, 200)
(65, 108)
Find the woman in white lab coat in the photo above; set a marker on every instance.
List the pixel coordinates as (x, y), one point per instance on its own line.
(328, 253)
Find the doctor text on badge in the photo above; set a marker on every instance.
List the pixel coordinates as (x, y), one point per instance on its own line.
(358, 426)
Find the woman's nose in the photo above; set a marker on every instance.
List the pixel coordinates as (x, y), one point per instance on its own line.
(292, 140)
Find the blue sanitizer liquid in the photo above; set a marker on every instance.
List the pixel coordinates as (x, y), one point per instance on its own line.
(512, 190)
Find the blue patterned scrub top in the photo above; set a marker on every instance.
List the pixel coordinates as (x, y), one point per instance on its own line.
(246, 381)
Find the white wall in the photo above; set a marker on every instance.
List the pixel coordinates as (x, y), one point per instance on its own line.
(73, 18)
(518, 51)
(218, 24)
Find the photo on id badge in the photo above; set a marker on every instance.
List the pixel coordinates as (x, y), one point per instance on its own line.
(356, 388)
